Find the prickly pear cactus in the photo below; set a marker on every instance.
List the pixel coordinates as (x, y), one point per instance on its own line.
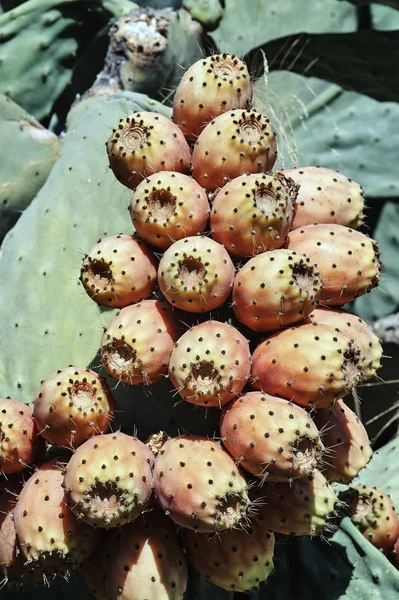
(40, 40)
(49, 322)
(80, 202)
(27, 156)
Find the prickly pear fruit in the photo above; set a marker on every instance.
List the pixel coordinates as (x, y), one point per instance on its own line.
(72, 405)
(235, 560)
(196, 274)
(304, 507)
(347, 260)
(108, 481)
(232, 144)
(119, 270)
(346, 441)
(51, 539)
(253, 213)
(326, 196)
(199, 486)
(20, 444)
(324, 365)
(275, 289)
(144, 559)
(374, 514)
(210, 364)
(270, 437)
(145, 143)
(167, 207)
(210, 87)
(137, 345)
(357, 330)
(11, 565)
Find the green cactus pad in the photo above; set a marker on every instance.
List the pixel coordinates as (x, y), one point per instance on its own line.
(39, 43)
(207, 12)
(27, 155)
(353, 60)
(268, 20)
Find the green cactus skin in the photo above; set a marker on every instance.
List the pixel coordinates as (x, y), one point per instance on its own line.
(271, 438)
(50, 544)
(108, 480)
(40, 40)
(347, 260)
(141, 560)
(234, 143)
(325, 365)
(61, 232)
(119, 270)
(207, 12)
(210, 364)
(198, 485)
(257, 210)
(196, 274)
(29, 152)
(210, 87)
(168, 206)
(236, 560)
(275, 289)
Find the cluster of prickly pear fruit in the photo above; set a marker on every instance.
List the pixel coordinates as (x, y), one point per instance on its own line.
(235, 236)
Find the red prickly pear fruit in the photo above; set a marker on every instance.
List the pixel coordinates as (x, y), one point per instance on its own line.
(142, 560)
(210, 364)
(304, 507)
(137, 344)
(347, 260)
(275, 289)
(51, 539)
(346, 440)
(232, 144)
(199, 486)
(210, 87)
(357, 330)
(20, 444)
(108, 481)
(118, 271)
(196, 274)
(374, 514)
(11, 565)
(235, 560)
(326, 196)
(324, 365)
(72, 405)
(167, 207)
(145, 143)
(271, 438)
(253, 213)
